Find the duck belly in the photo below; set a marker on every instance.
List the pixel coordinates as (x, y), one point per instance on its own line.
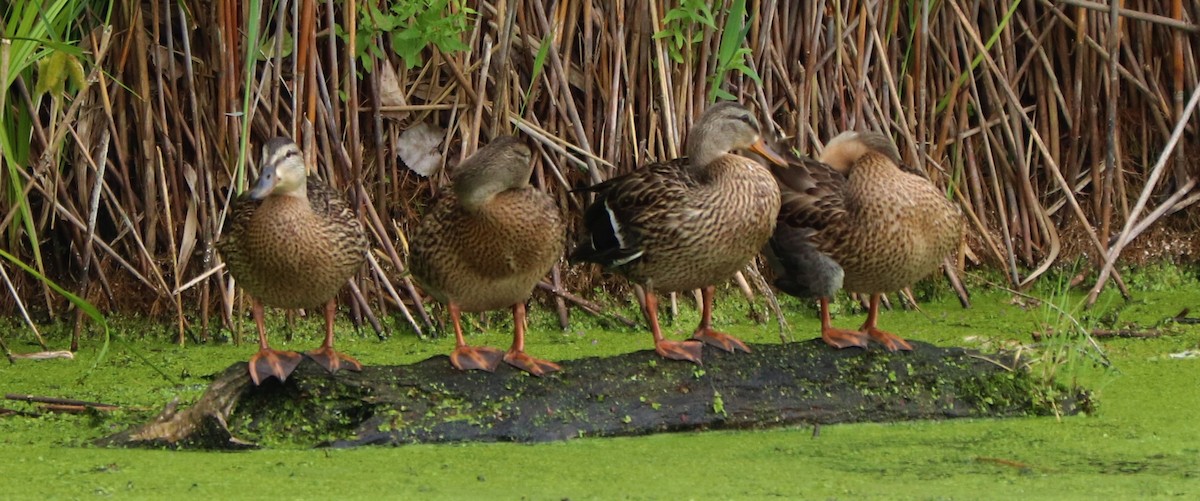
(895, 252)
(492, 259)
(295, 275)
(494, 294)
(498, 279)
(290, 252)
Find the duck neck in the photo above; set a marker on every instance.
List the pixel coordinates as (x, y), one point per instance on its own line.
(298, 199)
(475, 198)
(702, 151)
(295, 200)
(300, 193)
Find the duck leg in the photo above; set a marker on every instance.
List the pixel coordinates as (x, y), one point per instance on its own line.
(329, 358)
(516, 355)
(268, 362)
(889, 340)
(466, 357)
(675, 350)
(705, 331)
(838, 338)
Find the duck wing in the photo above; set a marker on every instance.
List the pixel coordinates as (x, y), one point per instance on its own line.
(812, 209)
(618, 220)
(812, 196)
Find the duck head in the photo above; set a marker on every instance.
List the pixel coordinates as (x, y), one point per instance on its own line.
(502, 165)
(283, 170)
(843, 151)
(725, 127)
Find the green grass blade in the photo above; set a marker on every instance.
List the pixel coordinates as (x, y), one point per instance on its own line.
(253, 42)
(539, 64)
(962, 78)
(13, 159)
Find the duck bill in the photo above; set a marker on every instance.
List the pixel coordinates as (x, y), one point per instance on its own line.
(266, 183)
(766, 152)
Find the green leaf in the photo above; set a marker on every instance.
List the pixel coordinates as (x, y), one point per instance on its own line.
(539, 64)
(705, 15)
(731, 55)
(381, 21)
(408, 47)
(733, 33)
(409, 27)
(675, 15)
(266, 50)
(452, 45)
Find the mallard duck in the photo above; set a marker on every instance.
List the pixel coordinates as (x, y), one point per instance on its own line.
(687, 223)
(485, 244)
(861, 220)
(292, 242)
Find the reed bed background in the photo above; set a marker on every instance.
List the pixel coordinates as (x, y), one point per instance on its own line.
(1065, 129)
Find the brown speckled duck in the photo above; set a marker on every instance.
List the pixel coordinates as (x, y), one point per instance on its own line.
(687, 223)
(861, 220)
(485, 244)
(292, 242)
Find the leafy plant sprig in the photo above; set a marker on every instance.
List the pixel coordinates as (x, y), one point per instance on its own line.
(732, 54)
(410, 27)
(680, 26)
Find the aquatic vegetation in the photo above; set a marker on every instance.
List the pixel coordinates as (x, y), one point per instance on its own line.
(1133, 446)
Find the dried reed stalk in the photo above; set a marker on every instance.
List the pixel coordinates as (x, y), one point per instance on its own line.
(1019, 110)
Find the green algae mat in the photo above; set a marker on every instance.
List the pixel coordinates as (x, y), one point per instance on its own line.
(632, 394)
(1138, 441)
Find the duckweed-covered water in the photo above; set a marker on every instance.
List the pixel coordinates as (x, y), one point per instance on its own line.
(1143, 440)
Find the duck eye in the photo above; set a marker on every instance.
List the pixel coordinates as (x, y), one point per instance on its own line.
(749, 120)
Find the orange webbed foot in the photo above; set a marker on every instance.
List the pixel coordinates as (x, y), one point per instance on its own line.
(486, 358)
(842, 338)
(333, 361)
(720, 340)
(679, 350)
(267, 363)
(535, 366)
(890, 341)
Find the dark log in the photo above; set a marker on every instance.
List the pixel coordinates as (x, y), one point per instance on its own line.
(631, 394)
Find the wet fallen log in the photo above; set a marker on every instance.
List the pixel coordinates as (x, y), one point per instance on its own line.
(631, 394)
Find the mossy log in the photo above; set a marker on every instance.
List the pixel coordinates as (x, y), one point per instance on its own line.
(631, 394)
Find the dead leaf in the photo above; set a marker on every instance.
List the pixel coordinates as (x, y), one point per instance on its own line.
(187, 241)
(418, 148)
(390, 93)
